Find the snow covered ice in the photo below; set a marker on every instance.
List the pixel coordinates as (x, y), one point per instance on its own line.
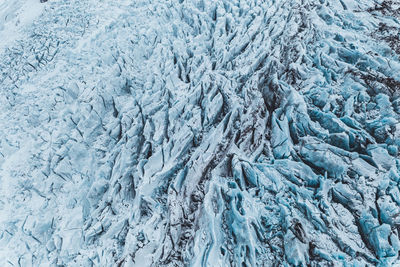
(199, 133)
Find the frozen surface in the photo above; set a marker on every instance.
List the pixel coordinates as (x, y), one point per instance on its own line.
(14, 16)
(199, 133)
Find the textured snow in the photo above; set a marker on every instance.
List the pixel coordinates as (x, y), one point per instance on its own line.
(199, 133)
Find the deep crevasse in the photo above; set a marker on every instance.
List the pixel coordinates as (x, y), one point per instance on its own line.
(202, 133)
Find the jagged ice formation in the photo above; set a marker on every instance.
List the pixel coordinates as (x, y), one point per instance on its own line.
(199, 133)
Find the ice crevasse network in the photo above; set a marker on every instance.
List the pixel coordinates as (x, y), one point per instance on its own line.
(199, 133)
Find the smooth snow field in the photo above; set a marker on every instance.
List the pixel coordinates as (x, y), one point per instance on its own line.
(199, 133)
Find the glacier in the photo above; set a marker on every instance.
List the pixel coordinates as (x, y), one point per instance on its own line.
(199, 133)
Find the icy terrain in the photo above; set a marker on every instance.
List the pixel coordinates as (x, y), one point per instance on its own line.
(199, 133)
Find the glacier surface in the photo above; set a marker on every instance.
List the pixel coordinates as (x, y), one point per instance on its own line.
(199, 133)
